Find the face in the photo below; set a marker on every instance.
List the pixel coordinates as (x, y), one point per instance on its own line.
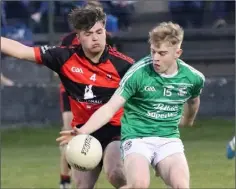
(164, 57)
(94, 40)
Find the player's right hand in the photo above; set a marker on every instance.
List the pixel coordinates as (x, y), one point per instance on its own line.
(66, 136)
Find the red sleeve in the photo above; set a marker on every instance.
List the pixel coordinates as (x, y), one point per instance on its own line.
(51, 56)
(37, 55)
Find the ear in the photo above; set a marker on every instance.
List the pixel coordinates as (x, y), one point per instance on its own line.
(77, 35)
(178, 53)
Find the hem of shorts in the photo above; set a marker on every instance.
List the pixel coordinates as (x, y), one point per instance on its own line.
(137, 153)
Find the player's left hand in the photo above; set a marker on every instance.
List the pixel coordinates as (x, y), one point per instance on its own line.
(66, 136)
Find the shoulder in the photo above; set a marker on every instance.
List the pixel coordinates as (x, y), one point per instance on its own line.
(141, 65)
(139, 69)
(191, 72)
(122, 58)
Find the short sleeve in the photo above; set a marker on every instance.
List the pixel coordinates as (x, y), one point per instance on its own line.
(51, 56)
(198, 86)
(128, 85)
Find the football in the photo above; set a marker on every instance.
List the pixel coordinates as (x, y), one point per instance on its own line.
(83, 152)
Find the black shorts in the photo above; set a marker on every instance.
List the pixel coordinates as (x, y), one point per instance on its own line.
(64, 102)
(106, 135)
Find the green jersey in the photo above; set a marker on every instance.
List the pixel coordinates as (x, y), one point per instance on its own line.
(154, 102)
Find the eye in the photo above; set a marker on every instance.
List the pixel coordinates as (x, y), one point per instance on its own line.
(153, 52)
(99, 32)
(87, 34)
(162, 53)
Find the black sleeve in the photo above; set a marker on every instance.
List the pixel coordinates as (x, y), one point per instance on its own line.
(51, 56)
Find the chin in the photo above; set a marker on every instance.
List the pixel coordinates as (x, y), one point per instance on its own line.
(96, 50)
(157, 70)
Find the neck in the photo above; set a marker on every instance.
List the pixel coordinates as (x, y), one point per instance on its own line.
(173, 69)
(94, 57)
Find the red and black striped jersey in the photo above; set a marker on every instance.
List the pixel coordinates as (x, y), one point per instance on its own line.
(72, 39)
(88, 85)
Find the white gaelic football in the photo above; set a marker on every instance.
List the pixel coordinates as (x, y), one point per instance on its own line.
(83, 152)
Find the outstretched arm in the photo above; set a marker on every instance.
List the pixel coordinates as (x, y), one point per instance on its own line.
(103, 114)
(18, 50)
(96, 121)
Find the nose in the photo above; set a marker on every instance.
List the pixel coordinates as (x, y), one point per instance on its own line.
(94, 37)
(156, 57)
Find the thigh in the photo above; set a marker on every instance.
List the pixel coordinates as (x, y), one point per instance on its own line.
(171, 164)
(137, 157)
(137, 170)
(86, 179)
(113, 165)
(112, 158)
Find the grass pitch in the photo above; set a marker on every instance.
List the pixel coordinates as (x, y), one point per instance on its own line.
(30, 157)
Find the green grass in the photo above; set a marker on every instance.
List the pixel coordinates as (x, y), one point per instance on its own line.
(30, 157)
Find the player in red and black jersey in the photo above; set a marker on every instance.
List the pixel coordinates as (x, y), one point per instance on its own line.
(90, 73)
(68, 40)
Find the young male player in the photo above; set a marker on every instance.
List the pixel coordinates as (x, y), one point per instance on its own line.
(90, 73)
(153, 93)
(65, 180)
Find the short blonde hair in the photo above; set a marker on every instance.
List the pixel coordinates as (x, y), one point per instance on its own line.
(166, 32)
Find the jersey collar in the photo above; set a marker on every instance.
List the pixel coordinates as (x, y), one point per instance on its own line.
(104, 57)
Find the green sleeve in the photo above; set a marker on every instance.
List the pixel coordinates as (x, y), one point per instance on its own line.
(128, 85)
(198, 86)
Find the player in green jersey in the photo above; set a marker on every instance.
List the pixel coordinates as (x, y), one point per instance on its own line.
(154, 93)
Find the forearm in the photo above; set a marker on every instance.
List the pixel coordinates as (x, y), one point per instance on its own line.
(16, 49)
(190, 111)
(97, 120)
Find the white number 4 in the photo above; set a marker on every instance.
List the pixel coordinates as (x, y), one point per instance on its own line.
(93, 77)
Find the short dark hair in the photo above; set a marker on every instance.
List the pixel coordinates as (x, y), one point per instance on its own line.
(84, 18)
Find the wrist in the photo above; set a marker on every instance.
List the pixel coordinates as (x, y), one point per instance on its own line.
(83, 130)
(186, 122)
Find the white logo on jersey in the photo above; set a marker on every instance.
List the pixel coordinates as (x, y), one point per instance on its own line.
(163, 107)
(149, 88)
(77, 70)
(163, 111)
(88, 93)
(182, 91)
(46, 47)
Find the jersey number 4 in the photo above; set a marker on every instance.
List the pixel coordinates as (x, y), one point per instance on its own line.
(93, 77)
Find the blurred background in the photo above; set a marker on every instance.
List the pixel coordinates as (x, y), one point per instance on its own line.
(30, 93)
(208, 46)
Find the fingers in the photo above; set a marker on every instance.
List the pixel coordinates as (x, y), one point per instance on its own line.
(66, 132)
(66, 136)
(63, 140)
(73, 132)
